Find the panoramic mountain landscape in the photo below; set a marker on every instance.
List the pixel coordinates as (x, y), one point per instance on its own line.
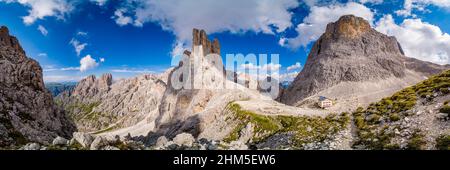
(360, 88)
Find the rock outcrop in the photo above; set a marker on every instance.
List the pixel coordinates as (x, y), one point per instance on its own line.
(351, 60)
(91, 86)
(201, 39)
(27, 110)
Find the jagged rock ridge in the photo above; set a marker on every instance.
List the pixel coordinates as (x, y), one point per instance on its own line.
(200, 38)
(27, 110)
(100, 104)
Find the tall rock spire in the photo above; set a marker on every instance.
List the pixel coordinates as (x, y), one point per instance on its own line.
(201, 39)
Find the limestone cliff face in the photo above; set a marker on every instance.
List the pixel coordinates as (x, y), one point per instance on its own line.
(27, 110)
(351, 51)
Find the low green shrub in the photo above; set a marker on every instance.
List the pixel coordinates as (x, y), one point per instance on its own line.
(394, 117)
(417, 141)
(443, 142)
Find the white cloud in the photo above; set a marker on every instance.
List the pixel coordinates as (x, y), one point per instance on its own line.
(87, 63)
(81, 33)
(102, 60)
(268, 67)
(271, 67)
(43, 30)
(311, 3)
(419, 39)
(297, 65)
(99, 2)
(315, 23)
(282, 41)
(70, 68)
(61, 78)
(288, 76)
(131, 71)
(235, 16)
(420, 5)
(78, 46)
(178, 49)
(39, 9)
(42, 54)
(50, 69)
(370, 1)
(249, 66)
(120, 18)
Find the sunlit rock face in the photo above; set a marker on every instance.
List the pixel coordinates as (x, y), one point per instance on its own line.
(27, 110)
(351, 51)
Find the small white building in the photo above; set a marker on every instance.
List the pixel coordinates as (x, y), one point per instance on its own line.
(325, 102)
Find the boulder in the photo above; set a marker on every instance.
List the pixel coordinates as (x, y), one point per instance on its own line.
(72, 142)
(31, 146)
(238, 145)
(110, 148)
(442, 116)
(184, 139)
(60, 141)
(161, 142)
(84, 139)
(98, 142)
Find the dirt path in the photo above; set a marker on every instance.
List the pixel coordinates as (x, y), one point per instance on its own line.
(274, 108)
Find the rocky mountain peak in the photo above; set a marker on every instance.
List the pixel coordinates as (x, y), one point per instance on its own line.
(106, 79)
(201, 39)
(8, 40)
(91, 86)
(349, 26)
(4, 30)
(350, 51)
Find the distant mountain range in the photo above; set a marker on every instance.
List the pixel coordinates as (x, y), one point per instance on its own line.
(57, 88)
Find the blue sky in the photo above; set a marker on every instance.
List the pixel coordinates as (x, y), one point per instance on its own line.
(129, 37)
